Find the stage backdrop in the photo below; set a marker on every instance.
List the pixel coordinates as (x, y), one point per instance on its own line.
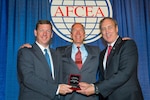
(18, 19)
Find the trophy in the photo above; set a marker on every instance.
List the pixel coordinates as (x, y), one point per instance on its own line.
(74, 80)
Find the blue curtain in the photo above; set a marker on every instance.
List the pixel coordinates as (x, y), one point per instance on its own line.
(3, 45)
(18, 19)
(133, 17)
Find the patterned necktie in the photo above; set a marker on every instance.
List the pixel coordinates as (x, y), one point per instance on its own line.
(78, 58)
(48, 59)
(109, 50)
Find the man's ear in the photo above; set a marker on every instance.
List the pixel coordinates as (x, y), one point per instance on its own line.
(35, 32)
(117, 28)
(52, 34)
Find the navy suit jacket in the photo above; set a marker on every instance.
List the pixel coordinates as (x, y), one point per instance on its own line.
(119, 80)
(88, 71)
(35, 80)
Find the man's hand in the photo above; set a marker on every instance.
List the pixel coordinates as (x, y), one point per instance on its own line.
(86, 89)
(64, 89)
(126, 38)
(26, 45)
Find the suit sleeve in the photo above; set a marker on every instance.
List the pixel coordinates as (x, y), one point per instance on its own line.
(28, 75)
(124, 64)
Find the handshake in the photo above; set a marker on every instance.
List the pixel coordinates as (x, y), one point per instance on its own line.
(81, 87)
(74, 84)
(86, 89)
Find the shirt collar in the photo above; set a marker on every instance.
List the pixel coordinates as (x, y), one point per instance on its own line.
(74, 46)
(112, 44)
(42, 47)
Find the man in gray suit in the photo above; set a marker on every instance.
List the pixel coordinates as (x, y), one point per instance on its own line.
(38, 79)
(90, 61)
(118, 69)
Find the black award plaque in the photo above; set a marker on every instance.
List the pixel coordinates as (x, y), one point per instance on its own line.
(74, 81)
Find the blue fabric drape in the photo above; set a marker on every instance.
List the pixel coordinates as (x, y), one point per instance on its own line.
(17, 23)
(22, 16)
(3, 46)
(133, 17)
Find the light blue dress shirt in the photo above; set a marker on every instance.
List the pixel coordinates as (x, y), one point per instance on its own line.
(84, 52)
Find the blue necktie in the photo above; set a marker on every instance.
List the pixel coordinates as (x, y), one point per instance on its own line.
(48, 59)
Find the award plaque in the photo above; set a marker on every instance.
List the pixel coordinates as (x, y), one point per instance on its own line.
(74, 81)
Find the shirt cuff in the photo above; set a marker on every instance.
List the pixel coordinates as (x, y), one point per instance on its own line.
(57, 92)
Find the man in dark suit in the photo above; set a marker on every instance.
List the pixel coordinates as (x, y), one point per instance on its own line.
(38, 79)
(119, 79)
(89, 63)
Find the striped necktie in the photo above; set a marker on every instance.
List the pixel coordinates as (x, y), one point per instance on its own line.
(109, 50)
(78, 58)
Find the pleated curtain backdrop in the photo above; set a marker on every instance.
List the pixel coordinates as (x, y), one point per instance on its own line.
(17, 23)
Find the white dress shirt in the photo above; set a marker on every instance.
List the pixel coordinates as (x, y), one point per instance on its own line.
(105, 57)
(51, 60)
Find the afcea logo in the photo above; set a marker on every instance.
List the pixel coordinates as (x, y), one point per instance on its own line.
(64, 13)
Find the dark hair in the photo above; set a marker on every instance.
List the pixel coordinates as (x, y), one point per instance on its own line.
(114, 21)
(43, 22)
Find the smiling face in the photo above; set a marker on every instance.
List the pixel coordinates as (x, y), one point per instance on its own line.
(43, 34)
(78, 33)
(109, 30)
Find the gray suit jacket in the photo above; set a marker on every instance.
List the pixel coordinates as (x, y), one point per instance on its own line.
(88, 71)
(34, 75)
(120, 81)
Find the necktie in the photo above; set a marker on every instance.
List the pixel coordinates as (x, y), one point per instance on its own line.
(109, 50)
(78, 58)
(48, 59)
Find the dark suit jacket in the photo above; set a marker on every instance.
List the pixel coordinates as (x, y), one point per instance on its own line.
(35, 80)
(120, 81)
(88, 71)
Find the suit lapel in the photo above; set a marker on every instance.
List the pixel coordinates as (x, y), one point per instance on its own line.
(68, 52)
(54, 63)
(101, 61)
(39, 54)
(115, 48)
(89, 57)
(114, 51)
